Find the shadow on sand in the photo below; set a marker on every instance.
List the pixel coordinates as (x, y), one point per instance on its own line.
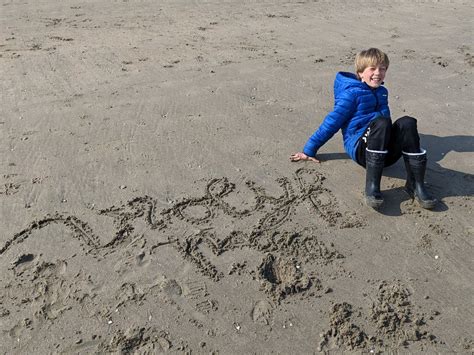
(441, 182)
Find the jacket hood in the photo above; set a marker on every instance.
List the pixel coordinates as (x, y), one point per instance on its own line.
(345, 80)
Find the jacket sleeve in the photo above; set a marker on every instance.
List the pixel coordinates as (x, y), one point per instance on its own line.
(344, 108)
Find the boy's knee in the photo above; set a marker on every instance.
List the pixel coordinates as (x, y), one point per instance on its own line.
(406, 122)
(382, 122)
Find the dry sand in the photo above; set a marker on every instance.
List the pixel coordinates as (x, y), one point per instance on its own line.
(147, 199)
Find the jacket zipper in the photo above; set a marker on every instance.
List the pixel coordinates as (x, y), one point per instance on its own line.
(376, 100)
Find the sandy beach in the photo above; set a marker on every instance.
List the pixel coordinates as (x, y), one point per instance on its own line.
(147, 200)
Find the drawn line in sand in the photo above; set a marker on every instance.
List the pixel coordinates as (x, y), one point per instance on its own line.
(79, 228)
(261, 234)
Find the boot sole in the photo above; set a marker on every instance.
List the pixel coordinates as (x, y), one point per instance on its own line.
(375, 204)
(428, 205)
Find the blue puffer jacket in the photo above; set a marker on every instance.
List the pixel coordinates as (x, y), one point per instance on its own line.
(355, 105)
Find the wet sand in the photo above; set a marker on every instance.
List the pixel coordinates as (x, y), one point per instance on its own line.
(148, 203)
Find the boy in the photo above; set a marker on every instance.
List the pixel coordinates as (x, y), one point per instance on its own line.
(370, 138)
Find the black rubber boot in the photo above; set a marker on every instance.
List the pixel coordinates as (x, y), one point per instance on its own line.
(374, 164)
(415, 185)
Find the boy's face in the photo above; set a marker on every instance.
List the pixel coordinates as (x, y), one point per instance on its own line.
(373, 75)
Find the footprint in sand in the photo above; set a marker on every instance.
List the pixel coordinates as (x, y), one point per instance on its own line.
(262, 312)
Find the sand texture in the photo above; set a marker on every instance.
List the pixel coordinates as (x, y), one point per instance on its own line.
(147, 200)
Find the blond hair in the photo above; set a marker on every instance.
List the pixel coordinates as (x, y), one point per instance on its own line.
(369, 58)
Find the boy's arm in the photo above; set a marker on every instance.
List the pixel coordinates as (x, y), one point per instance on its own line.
(344, 108)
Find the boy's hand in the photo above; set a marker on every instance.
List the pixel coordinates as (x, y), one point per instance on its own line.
(302, 156)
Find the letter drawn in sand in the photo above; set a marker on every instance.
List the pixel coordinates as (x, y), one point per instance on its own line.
(259, 222)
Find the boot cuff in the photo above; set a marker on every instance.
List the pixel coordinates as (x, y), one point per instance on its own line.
(377, 151)
(423, 152)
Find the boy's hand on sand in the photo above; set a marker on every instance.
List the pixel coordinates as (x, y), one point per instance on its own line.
(302, 156)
